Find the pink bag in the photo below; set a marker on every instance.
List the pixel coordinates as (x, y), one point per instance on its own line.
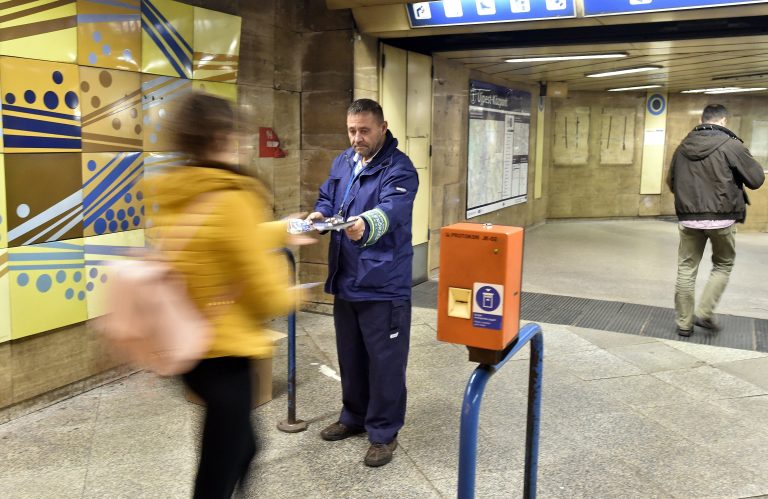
(153, 323)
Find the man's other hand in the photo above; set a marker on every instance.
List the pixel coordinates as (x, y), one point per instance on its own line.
(355, 232)
(315, 216)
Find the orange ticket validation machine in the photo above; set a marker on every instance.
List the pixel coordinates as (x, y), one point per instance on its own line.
(479, 286)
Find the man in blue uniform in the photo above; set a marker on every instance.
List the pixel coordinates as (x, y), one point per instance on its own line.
(369, 272)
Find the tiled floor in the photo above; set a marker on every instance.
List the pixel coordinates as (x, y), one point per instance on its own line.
(622, 416)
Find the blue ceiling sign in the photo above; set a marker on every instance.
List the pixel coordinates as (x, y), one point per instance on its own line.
(608, 7)
(459, 12)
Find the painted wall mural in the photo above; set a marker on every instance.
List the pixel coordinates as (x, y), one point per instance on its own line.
(112, 199)
(76, 139)
(111, 106)
(43, 29)
(43, 198)
(216, 57)
(46, 277)
(168, 29)
(109, 34)
(100, 252)
(41, 106)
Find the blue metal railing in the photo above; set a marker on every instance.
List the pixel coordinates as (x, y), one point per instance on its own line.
(470, 414)
(292, 425)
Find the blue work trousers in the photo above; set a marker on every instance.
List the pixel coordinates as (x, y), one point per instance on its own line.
(372, 341)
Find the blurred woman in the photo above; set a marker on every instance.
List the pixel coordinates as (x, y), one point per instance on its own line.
(212, 224)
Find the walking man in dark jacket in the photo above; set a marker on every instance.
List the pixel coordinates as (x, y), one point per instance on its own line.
(709, 171)
(369, 272)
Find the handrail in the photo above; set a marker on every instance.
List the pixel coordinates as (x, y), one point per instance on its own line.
(470, 413)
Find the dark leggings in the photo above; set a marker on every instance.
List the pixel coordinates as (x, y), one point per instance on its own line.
(228, 446)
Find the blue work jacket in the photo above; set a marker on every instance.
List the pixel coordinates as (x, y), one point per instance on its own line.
(378, 266)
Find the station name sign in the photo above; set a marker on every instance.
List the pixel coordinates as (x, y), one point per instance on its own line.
(460, 12)
(608, 7)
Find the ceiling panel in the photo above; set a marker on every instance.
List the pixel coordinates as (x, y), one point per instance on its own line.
(685, 64)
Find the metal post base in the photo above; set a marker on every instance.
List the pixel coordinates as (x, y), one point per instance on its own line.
(292, 427)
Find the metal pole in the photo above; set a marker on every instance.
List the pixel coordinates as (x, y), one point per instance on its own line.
(470, 414)
(292, 425)
(533, 425)
(470, 417)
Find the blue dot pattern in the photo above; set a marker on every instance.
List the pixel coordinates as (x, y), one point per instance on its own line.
(71, 100)
(51, 100)
(93, 273)
(100, 226)
(22, 279)
(10, 98)
(44, 283)
(30, 97)
(61, 276)
(69, 294)
(58, 78)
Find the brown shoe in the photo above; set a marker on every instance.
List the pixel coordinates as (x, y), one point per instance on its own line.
(339, 431)
(380, 454)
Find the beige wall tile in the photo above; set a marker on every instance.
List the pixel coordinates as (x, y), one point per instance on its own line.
(287, 61)
(328, 61)
(6, 387)
(287, 185)
(323, 118)
(48, 361)
(287, 119)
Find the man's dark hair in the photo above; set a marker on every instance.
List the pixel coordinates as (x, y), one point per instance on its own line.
(366, 106)
(198, 121)
(713, 112)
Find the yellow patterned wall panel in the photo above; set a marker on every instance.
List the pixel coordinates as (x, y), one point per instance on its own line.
(109, 34)
(157, 96)
(47, 286)
(217, 46)
(167, 33)
(112, 199)
(111, 107)
(42, 29)
(5, 298)
(224, 90)
(100, 251)
(40, 106)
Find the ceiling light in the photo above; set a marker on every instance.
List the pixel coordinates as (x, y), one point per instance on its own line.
(622, 71)
(722, 90)
(701, 90)
(551, 58)
(624, 89)
(736, 90)
(750, 76)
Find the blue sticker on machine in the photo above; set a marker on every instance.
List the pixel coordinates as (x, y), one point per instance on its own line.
(488, 309)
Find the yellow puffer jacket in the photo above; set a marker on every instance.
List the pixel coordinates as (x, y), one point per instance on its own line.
(212, 225)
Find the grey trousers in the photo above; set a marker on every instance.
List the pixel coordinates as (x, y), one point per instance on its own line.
(692, 243)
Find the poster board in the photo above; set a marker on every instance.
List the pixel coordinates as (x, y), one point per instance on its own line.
(571, 141)
(497, 165)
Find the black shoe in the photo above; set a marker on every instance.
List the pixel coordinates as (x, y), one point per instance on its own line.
(339, 431)
(684, 332)
(710, 323)
(380, 454)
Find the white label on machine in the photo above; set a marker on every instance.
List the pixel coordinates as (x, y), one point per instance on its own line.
(488, 306)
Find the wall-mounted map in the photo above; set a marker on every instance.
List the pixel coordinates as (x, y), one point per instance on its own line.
(497, 166)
